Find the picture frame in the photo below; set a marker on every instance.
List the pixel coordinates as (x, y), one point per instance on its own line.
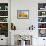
(22, 14)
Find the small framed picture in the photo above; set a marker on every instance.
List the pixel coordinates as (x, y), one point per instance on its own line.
(23, 14)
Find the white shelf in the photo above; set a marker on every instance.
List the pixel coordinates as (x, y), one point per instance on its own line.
(42, 16)
(41, 28)
(41, 10)
(3, 22)
(3, 16)
(41, 22)
(3, 10)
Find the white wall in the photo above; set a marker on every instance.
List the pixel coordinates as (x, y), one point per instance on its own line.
(32, 6)
(23, 24)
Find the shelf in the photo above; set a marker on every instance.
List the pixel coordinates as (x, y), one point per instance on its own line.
(3, 10)
(4, 19)
(41, 28)
(41, 10)
(3, 16)
(3, 22)
(42, 19)
(41, 22)
(42, 16)
(42, 37)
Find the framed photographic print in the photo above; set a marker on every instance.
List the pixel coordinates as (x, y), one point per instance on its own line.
(22, 14)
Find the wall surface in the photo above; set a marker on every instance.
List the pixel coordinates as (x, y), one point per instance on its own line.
(32, 6)
(23, 24)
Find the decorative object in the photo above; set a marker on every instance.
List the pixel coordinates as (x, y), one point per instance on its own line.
(0, 7)
(22, 14)
(3, 13)
(4, 29)
(13, 27)
(31, 27)
(42, 25)
(41, 19)
(44, 41)
(42, 32)
(23, 40)
(24, 37)
(3, 19)
(43, 13)
(6, 7)
(41, 6)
